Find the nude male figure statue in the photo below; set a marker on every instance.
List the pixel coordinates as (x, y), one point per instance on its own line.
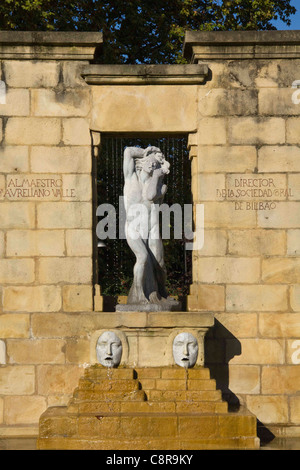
(144, 170)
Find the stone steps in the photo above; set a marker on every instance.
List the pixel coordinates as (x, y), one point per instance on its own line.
(150, 408)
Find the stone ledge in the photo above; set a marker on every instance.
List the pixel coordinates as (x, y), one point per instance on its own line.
(40, 45)
(145, 74)
(208, 45)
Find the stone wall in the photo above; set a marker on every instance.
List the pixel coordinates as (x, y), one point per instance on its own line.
(45, 221)
(236, 102)
(248, 163)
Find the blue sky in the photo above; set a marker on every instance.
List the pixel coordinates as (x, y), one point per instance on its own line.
(294, 18)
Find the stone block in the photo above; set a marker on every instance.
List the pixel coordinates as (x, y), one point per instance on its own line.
(36, 351)
(234, 425)
(121, 104)
(277, 380)
(2, 245)
(295, 297)
(31, 74)
(32, 299)
(45, 102)
(220, 102)
(279, 158)
(17, 380)
(295, 409)
(212, 131)
(206, 297)
(293, 350)
(71, 73)
(281, 270)
(1, 410)
(80, 185)
(148, 426)
(76, 131)
(240, 325)
(283, 325)
(47, 325)
(277, 102)
(285, 215)
(2, 352)
(33, 131)
(53, 159)
(23, 409)
(228, 270)
(68, 270)
(16, 271)
(256, 298)
(256, 351)
(244, 379)
(64, 215)
(215, 244)
(78, 351)
(256, 131)
(224, 214)
(17, 103)
(57, 379)
(208, 185)
(79, 242)
(14, 325)
(35, 243)
(200, 426)
(256, 242)
(294, 185)
(17, 215)
(14, 159)
(226, 158)
(77, 298)
(269, 409)
(293, 130)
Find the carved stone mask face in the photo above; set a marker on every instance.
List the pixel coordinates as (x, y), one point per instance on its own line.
(109, 349)
(185, 350)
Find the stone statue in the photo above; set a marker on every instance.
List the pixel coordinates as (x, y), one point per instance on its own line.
(144, 171)
(185, 350)
(109, 349)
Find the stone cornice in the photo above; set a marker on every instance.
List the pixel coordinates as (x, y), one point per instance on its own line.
(210, 45)
(55, 45)
(145, 74)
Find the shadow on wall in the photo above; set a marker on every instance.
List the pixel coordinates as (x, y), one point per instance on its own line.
(220, 347)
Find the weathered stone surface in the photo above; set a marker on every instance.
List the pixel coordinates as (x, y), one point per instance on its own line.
(14, 159)
(28, 351)
(121, 104)
(256, 242)
(24, 409)
(32, 299)
(17, 380)
(256, 298)
(35, 243)
(72, 159)
(33, 131)
(14, 325)
(31, 74)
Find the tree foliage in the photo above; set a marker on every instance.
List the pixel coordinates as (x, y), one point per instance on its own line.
(142, 31)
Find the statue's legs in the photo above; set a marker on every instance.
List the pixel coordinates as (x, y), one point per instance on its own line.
(144, 282)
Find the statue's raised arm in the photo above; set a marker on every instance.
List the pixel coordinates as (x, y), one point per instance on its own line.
(130, 154)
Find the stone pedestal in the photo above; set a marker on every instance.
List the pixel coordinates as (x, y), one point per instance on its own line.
(147, 337)
(148, 402)
(163, 408)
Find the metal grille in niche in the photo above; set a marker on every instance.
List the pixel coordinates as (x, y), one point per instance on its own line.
(115, 259)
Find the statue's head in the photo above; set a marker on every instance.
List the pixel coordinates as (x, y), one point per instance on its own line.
(153, 159)
(185, 350)
(109, 349)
